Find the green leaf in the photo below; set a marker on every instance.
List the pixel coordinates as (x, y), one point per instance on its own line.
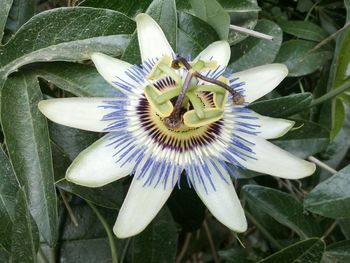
(8, 192)
(78, 79)
(109, 196)
(234, 255)
(214, 14)
(283, 106)
(255, 52)
(86, 250)
(284, 208)
(27, 141)
(21, 11)
(130, 8)
(4, 11)
(338, 117)
(338, 252)
(164, 13)
(158, 242)
(4, 255)
(67, 143)
(309, 251)
(68, 34)
(331, 198)
(339, 74)
(86, 242)
(186, 207)
(301, 58)
(309, 139)
(304, 30)
(25, 236)
(71, 141)
(344, 225)
(194, 35)
(242, 13)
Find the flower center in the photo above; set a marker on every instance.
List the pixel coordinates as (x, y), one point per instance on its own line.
(181, 104)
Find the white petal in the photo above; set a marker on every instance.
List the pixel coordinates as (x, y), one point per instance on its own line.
(141, 205)
(97, 165)
(114, 71)
(269, 128)
(261, 80)
(218, 51)
(80, 113)
(152, 41)
(222, 202)
(272, 160)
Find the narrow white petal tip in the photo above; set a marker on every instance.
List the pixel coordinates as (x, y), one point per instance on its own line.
(110, 68)
(272, 160)
(282, 68)
(140, 206)
(218, 51)
(272, 128)
(152, 40)
(77, 112)
(261, 80)
(310, 169)
(124, 232)
(96, 166)
(141, 16)
(239, 227)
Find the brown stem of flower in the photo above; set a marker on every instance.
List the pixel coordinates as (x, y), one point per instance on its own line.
(238, 99)
(174, 120)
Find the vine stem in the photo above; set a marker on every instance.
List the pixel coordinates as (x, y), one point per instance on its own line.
(184, 248)
(331, 94)
(330, 229)
(322, 164)
(211, 242)
(68, 207)
(263, 230)
(251, 32)
(108, 231)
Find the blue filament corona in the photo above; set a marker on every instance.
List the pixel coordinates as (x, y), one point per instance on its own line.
(155, 170)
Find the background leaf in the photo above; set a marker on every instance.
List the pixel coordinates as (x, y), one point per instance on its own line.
(300, 58)
(214, 14)
(4, 11)
(21, 11)
(338, 252)
(66, 34)
(8, 193)
(27, 141)
(25, 236)
(284, 208)
(130, 8)
(157, 243)
(283, 106)
(309, 250)
(78, 79)
(194, 35)
(339, 75)
(304, 30)
(255, 52)
(307, 139)
(67, 143)
(164, 13)
(331, 198)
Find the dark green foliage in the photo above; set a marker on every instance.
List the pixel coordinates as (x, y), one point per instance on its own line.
(44, 49)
